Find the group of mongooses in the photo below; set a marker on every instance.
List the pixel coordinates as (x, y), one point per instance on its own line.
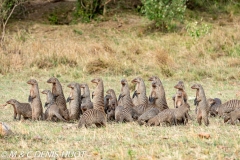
(149, 111)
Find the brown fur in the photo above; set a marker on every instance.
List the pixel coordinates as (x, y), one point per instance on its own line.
(202, 106)
(165, 116)
(59, 97)
(20, 109)
(233, 116)
(34, 98)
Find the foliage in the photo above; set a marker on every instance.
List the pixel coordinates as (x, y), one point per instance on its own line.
(196, 30)
(87, 9)
(164, 12)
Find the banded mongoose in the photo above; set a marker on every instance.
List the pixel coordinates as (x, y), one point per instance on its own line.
(228, 106)
(112, 104)
(59, 97)
(106, 103)
(161, 101)
(52, 112)
(181, 112)
(180, 87)
(20, 109)
(35, 101)
(111, 109)
(213, 105)
(233, 116)
(202, 105)
(96, 115)
(124, 111)
(166, 116)
(85, 98)
(157, 96)
(142, 99)
(74, 100)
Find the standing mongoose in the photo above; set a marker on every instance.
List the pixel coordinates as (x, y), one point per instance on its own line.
(74, 101)
(181, 112)
(180, 87)
(20, 109)
(96, 115)
(202, 105)
(228, 107)
(233, 115)
(140, 93)
(52, 112)
(34, 98)
(112, 104)
(124, 111)
(213, 105)
(85, 98)
(157, 100)
(106, 103)
(59, 97)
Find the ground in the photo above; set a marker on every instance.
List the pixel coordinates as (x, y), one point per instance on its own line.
(205, 49)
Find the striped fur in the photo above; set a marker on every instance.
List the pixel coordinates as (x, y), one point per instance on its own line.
(96, 115)
(228, 106)
(125, 111)
(85, 98)
(166, 116)
(140, 95)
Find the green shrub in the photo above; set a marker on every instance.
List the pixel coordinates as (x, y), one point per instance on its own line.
(164, 12)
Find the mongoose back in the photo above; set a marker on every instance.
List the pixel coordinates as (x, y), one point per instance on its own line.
(166, 116)
(228, 106)
(59, 97)
(74, 100)
(124, 111)
(213, 105)
(233, 116)
(85, 98)
(52, 112)
(20, 109)
(140, 93)
(202, 107)
(96, 115)
(34, 98)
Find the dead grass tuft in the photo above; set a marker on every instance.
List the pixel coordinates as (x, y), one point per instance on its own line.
(96, 66)
(53, 61)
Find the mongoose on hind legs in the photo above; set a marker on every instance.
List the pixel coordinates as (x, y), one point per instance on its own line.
(59, 97)
(34, 98)
(96, 115)
(20, 109)
(202, 105)
(74, 101)
(52, 112)
(85, 98)
(124, 111)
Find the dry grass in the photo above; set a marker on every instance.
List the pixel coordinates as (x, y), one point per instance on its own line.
(81, 52)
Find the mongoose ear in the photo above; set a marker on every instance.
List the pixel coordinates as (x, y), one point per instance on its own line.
(46, 104)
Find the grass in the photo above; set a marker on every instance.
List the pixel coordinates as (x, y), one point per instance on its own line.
(103, 49)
